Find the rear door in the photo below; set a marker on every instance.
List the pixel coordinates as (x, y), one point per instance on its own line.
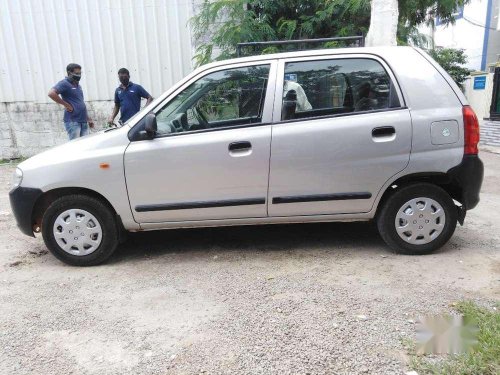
(341, 131)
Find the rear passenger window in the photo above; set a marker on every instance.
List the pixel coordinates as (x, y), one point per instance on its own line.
(329, 87)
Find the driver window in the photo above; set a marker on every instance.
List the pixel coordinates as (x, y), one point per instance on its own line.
(222, 99)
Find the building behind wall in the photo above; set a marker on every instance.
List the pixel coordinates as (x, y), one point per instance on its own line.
(39, 38)
(476, 30)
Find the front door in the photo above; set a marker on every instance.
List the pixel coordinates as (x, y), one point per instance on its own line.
(341, 131)
(210, 158)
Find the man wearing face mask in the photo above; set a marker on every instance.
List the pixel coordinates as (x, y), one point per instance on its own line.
(69, 94)
(128, 97)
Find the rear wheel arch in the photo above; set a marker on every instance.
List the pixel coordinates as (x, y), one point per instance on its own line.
(443, 180)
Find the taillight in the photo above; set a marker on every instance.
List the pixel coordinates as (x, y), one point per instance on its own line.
(471, 131)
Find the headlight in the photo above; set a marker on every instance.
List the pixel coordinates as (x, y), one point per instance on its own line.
(17, 178)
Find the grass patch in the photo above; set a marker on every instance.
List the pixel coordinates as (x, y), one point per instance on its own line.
(11, 161)
(484, 359)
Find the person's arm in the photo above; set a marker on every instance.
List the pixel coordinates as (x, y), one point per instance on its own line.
(116, 109)
(90, 121)
(302, 101)
(54, 95)
(144, 94)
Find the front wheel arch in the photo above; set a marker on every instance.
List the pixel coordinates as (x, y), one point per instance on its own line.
(48, 197)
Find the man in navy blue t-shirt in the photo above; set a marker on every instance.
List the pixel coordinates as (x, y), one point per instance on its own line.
(128, 97)
(69, 94)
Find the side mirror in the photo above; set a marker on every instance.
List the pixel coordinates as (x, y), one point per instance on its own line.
(150, 125)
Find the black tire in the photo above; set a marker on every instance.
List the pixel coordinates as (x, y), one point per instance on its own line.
(387, 216)
(104, 215)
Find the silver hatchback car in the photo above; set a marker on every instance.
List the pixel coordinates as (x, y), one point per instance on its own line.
(328, 135)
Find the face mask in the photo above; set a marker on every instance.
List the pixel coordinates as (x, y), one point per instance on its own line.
(124, 81)
(75, 77)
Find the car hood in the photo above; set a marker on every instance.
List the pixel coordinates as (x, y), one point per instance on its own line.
(95, 143)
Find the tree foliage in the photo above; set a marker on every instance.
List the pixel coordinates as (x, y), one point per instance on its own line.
(417, 12)
(452, 60)
(220, 24)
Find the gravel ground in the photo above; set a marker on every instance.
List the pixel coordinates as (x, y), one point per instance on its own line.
(284, 299)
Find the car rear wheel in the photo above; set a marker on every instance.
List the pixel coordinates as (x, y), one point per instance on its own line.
(80, 230)
(417, 219)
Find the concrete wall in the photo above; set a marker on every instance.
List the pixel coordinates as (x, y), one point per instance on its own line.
(480, 100)
(28, 128)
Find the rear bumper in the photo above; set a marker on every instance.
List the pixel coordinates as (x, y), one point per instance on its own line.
(468, 175)
(22, 201)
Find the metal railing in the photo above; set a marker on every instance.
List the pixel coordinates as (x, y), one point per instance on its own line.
(359, 38)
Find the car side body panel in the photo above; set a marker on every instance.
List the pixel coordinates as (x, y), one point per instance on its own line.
(191, 176)
(335, 158)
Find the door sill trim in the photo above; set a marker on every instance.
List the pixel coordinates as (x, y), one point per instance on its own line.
(200, 204)
(321, 197)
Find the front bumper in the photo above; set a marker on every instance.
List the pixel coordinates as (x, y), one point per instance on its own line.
(22, 201)
(468, 175)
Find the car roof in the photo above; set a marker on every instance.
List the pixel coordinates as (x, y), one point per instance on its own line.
(380, 51)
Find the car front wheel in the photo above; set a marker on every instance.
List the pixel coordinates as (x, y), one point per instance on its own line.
(417, 219)
(80, 230)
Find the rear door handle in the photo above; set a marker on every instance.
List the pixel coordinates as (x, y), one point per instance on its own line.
(240, 146)
(383, 131)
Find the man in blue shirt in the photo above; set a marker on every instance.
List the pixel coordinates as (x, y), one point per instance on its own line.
(128, 97)
(69, 94)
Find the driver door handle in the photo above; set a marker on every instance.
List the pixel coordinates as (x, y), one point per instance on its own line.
(240, 146)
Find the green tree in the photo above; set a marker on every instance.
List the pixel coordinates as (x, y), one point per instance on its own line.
(452, 60)
(220, 24)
